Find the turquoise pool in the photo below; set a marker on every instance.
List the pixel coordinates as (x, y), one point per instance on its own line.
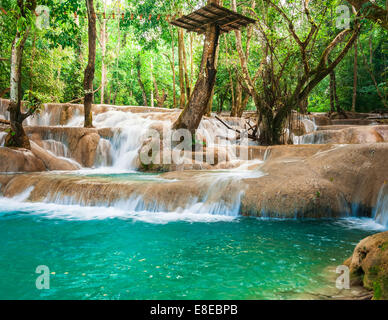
(124, 258)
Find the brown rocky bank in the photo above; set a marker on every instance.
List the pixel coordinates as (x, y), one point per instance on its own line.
(369, 265)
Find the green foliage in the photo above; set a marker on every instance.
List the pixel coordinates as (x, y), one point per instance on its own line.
(55, 58)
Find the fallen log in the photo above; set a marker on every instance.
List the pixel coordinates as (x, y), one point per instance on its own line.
(2, 121)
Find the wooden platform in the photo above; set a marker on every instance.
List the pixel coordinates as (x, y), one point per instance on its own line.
(225, 19)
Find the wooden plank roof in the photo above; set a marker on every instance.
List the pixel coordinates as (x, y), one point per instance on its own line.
(225, 19)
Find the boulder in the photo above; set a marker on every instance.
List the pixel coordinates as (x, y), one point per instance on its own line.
(19, 160)
(369, 265)
(81, 143)
(52, 162)
(85, 152)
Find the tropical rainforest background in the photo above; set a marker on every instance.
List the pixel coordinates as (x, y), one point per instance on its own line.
(141, 59)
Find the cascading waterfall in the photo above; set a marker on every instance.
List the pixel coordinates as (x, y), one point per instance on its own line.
(380, 212)
(310, 128)
(216, 196)
(220, 192)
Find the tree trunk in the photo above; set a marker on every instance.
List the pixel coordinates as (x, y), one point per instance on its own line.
(354, 97)
(159, 99)
(17, 136)
(304, 105)
(141, 84)
(210, 103)
(191, 59)
(332, 89)
(90, 68)
(152, 80)
(233, 113)
(181, 48)
(173, 69)
(103, 38)
(243, 106)
(238, 100)
(192, 114)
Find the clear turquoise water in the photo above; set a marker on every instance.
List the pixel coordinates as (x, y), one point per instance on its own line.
(116, 258)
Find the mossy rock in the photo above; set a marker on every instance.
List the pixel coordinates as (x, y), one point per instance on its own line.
(369, 265)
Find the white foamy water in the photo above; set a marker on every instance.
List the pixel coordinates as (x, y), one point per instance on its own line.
(219, 200)
(380, 212)
(361, 223)
(78, 212)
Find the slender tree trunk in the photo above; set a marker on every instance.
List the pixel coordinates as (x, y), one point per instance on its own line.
(187, 80)
(152, 80)
(173, 69)
(332, 103)
(103, 38)
(181, 46)
(192, 114)
(116, 81)
(230, 76)
(369, 68)
(141, 84)
(191, 59)
(243, 105)
(90, 68)
(17, 136)
(159, 99)
(354, 97)
(238, 100)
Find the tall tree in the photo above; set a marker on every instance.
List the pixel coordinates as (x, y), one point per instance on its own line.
(90, 68)
(192, 114)
(181, 63)
(25, 17)
(103, 42)
(355, 65)
(277, 95)
(140, 82)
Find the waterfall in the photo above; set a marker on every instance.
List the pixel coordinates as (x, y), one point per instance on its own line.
(58, 148)
(211, 196)
(380, 212)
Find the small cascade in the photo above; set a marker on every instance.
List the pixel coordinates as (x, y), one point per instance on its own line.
(310, 129)
(58, 148)
(103, 153)
(380, 212)
(129, 131)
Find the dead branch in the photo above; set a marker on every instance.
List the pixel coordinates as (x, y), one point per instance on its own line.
(250, 136)
(80, 99)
